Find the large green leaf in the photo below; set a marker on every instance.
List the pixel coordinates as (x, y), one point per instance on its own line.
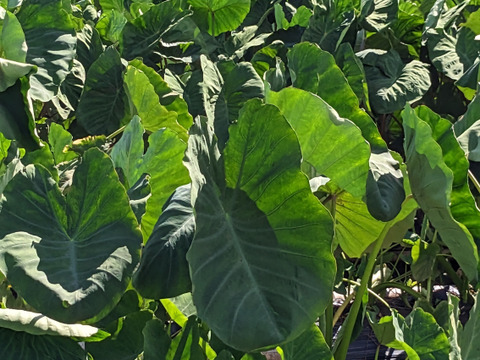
(51, 41)
(344, 160)
(310, 345)
(163, 270)
(462, 203)
(467, 130)
(163, 161)
(103, 106)
(38, 324)
(219, 16)
(168, 98)
(21, 345)
(16, 118)
(12, 39)
(315, 70)
(431, 182)
(69, 256)
(379, 14)
(226, 88)
(330, 23)
(153, 114)
(392, 84)
(260, 262)
(418, 335)
(156, 340)
(141, 36)
(127, 342)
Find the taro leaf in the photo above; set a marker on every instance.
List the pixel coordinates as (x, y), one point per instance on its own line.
(11, 71)
(186, 345)
(142, 35)
(81, 248)
(392, 84)
(344, 160)
(381, 14)
(163, 270)
(355, 228)
(110, 26)
(17, 120)
(310, 345)
(39, 324)
(162, 161)
(467, 130)
(127, 343)
(315, 70)
(59, 138)
(431, 182)
(226, 88)
(153, 114)
(168, 98)
(271, 271)
(353, 70)
(156, 340)
(89, 46)
(139, 194)
(469, 347)
(219, 16)
(418, 335)
(441, 51)
(329, 23)
(12, 41)
(111, 5)
(20, 345)
(385, 192)
(423, 256)
(51, 41)
(463, 206)
(277, 77)
(225, 355)
(70, 91)
(103, 106)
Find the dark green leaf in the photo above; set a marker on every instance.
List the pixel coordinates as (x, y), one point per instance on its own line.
(91, 234)
(392, 84)
(127, 342)
(141, 36)
(51, 41)
(261, 236)
(431, 181)
(20, 345)
(103, 106)
(163, 270)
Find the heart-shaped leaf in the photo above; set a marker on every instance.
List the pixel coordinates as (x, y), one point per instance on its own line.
(69, 256)
(261, 261)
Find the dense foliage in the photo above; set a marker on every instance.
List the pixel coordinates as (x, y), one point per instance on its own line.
(191, 179)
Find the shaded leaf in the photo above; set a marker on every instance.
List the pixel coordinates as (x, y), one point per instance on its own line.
(103, 106)
(50, 36)
(163, 270)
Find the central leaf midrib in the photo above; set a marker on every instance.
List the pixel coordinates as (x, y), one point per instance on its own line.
(245, 265)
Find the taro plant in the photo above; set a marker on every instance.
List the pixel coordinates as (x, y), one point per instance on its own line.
(192, 179)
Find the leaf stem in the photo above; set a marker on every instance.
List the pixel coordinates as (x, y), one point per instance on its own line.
(474, 180)
(342, 349)
(116, 132)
